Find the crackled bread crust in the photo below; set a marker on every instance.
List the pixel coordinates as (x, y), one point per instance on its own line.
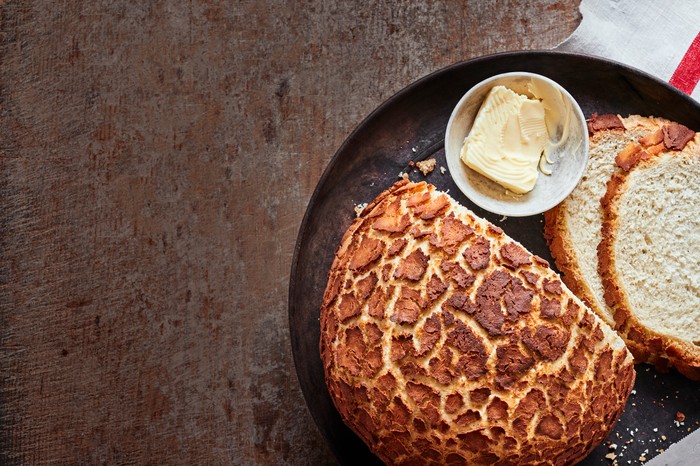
(446, 342)
(647, 341)
(572, 228)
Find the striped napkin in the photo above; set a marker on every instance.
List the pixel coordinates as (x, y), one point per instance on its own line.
(659, 37)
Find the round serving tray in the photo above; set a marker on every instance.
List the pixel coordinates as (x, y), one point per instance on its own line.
(411, 125)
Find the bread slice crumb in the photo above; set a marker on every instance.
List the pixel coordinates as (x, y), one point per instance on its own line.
(359, 208)
(426, 166)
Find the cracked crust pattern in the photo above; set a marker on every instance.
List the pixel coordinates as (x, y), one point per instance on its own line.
(446, 342)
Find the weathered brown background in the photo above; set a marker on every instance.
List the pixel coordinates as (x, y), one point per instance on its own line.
(156, 160)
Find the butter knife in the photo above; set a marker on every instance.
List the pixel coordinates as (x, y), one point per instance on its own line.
(686, 452)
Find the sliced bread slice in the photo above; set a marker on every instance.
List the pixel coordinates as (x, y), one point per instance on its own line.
(572, 229)
(649, 256)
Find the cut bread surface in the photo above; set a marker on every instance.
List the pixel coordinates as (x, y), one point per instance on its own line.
(657, 230)
(649, 257)
(573, 228)
(625, 237)
(444, 341)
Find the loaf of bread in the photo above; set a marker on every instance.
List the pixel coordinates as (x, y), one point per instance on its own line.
(649, 259)
(572, 228)
(444, 341)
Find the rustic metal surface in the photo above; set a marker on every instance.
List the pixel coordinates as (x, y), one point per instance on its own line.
(156, 159)
(372, 158)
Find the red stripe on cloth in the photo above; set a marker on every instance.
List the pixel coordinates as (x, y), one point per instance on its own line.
(686, 76)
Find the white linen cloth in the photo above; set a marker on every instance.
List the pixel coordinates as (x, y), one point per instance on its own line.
(661, 37)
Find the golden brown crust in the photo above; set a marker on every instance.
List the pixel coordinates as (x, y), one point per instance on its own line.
(604, 122)
(631, 156)
(556, 230)
(676, 136)
(672, 136)
(462, 348)
(559, 242)
(645, 344)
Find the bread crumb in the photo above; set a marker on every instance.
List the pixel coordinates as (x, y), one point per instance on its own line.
(642, 458)
(611, 456)
(359, 208)
(426, 166)
(442, 169)
(613, 446)
(663, 437)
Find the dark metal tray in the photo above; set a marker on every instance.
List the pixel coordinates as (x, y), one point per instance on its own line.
(411, 125)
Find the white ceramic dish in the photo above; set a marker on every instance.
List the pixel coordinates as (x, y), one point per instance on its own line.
(570, 158)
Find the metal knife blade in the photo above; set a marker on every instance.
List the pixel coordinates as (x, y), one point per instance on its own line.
(686, 452)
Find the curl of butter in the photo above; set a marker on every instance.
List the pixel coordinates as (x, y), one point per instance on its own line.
(557, 112)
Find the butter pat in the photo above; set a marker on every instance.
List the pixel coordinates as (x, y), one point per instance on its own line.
(507, 139)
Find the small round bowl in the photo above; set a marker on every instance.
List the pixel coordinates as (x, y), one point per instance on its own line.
(570, 158)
